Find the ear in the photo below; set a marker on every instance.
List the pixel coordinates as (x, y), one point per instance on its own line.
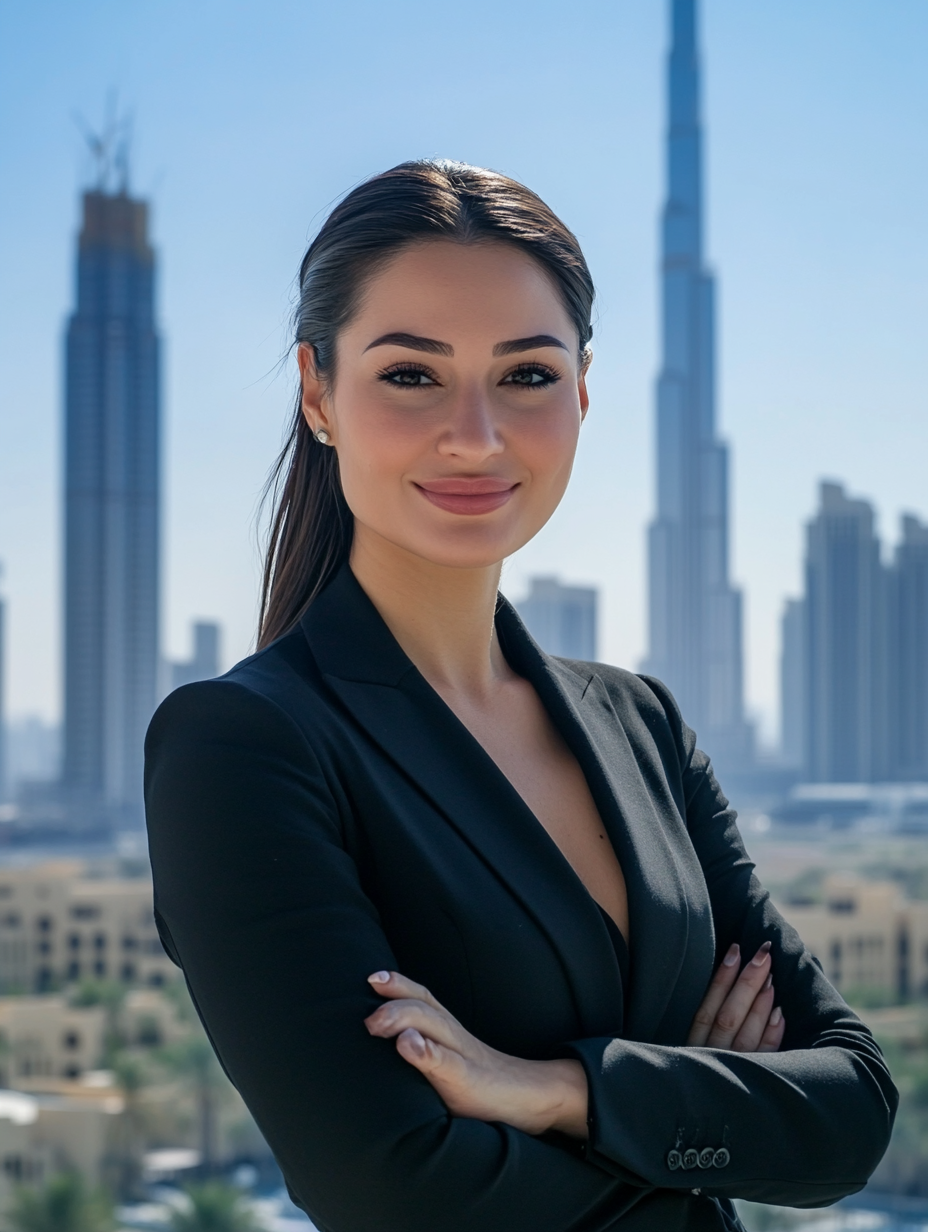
(315, 398)
(581, 383)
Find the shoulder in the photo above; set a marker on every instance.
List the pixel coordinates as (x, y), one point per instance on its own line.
(274, 694)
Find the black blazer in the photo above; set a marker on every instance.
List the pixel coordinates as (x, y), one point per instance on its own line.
(319, 813)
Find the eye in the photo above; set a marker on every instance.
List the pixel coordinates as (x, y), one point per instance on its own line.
(407, 376)
(531, 376)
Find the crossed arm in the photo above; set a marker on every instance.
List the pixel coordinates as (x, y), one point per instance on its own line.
(474, 1080)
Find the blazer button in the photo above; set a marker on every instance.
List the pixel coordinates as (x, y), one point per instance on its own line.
(690, 1158)
(720, 1158)
(707, 1157)
(674, 1160)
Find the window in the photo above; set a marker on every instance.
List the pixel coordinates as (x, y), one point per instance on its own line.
(44, 923)
(71, 1040)
(99, 941)
(127, 974)
(85, 911)
(99, 969)
(44, 947)
(12, 920)
(74, 970)
(74, 941)
(156, 980)
(130, 943)
(71, 1071)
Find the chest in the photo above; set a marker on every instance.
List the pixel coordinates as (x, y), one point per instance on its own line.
(518, 734)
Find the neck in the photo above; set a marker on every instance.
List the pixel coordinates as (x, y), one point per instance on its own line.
(443, 618)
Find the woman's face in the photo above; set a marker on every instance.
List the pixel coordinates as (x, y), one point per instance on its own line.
(457, 403)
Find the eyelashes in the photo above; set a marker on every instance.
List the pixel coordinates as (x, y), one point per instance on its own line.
(417, 376)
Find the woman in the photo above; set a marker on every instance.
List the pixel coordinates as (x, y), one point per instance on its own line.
(449, 907)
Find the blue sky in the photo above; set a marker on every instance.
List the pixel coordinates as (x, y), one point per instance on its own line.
(252, 118)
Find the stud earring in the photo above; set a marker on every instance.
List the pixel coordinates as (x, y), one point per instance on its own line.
(321, 436)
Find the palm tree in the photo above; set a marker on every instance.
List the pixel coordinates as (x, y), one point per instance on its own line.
(194, 1060)
(214, 1207)
(132, 1077)
(63, 1204)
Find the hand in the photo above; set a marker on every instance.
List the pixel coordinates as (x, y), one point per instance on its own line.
(473, 1079)
(737, 1012)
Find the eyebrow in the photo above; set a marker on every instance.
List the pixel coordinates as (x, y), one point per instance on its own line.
(528, 344)
(414, 343)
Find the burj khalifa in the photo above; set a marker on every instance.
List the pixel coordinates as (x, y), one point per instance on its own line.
(695, 617)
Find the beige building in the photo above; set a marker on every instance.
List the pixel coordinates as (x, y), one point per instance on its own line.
(59, 926)
(869, 939)
(44, 1134)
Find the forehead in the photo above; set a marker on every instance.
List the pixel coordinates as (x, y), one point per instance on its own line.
(442, 287)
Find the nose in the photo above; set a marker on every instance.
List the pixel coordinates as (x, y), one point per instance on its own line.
(471, 432)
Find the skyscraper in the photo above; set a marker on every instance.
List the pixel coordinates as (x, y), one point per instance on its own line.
(844, 711)
(561, 619)
(4, 763)
(205, 662)
(793, 683)
(694, 611)
(906, 654)
(111, 513)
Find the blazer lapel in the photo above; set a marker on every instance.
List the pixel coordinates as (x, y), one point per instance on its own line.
(659, 885)
(364, 666)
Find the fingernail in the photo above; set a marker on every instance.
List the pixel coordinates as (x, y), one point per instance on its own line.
(417, 1043)
(767, 982)
(379, 977)
(732, 956)
(776, 1016)
(761, 956)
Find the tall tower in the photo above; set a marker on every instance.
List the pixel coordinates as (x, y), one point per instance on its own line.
(111, 513)
(694, 612)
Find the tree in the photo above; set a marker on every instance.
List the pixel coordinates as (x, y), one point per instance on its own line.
(194, 1060)
(214, 1207)
(62, 1204)
(132, 1077)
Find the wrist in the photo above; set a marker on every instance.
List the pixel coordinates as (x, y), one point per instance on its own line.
(569, 1104)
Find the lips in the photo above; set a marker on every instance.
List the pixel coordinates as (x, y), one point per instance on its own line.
(462, 495)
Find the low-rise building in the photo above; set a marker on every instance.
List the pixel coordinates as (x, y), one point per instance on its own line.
(59, 926)
(41, 1135)
(869, 939)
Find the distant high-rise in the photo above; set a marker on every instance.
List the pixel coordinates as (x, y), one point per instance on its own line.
(561, 619)
(792, 683)
(4, 761)
(111, 563)
(694, 611)
(843, 642)
(205, 662)
(906, 654)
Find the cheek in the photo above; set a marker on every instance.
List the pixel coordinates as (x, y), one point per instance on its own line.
(547, 445)
(375, 449)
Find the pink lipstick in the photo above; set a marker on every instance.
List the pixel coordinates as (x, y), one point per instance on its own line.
(462, 495)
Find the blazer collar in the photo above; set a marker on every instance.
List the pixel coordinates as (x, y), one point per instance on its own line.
(384, 692)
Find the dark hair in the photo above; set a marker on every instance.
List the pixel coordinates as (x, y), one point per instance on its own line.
(311, 527)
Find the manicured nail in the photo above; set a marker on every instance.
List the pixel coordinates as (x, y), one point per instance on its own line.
(416, 1042)
(776, 1016)
(761, 956)
(379, 977)
(767, 982)
(732, 956)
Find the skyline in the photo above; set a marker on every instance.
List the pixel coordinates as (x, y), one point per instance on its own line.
(817, 195)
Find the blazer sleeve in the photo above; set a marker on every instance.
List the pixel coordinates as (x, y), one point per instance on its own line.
(802, 1127)
(259, 901)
